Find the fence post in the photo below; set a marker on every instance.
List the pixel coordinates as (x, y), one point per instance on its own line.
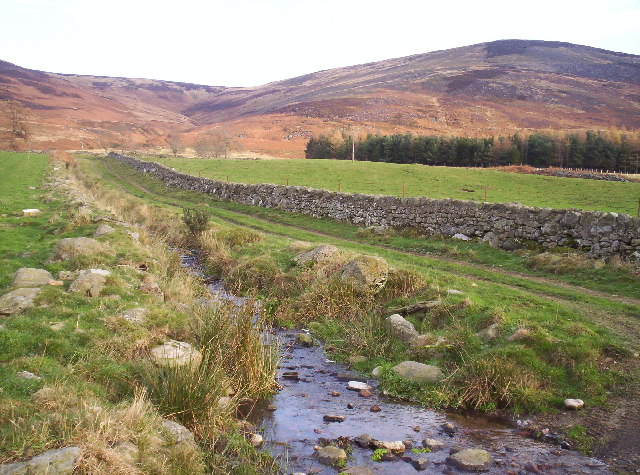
(227, 178)
(485, 194)
(638, 207)
(403, 190)
(338, 187)
(287, 182)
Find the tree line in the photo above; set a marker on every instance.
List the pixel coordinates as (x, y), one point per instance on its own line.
(590, 149)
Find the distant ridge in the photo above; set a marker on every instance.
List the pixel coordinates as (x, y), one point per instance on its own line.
(479, 90)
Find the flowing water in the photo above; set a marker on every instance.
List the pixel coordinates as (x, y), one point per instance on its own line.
(314, 386)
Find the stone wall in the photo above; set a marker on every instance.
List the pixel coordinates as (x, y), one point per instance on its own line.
(504, 225)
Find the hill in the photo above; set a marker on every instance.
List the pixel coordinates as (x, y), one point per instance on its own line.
(480, 90)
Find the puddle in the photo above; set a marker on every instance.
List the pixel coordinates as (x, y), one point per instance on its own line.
(296, 425)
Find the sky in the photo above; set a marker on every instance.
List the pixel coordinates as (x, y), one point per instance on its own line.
(252, 42)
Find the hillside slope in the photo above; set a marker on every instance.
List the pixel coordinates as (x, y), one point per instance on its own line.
(484, 89)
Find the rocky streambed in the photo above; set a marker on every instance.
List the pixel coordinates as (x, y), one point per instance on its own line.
(322, 421)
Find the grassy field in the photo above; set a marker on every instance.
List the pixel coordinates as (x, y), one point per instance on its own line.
(569, 332)
(419, 180)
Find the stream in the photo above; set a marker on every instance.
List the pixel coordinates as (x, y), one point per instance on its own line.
(292, 421)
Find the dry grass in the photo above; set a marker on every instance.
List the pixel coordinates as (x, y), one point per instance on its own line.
(560, 263)
(62, 417)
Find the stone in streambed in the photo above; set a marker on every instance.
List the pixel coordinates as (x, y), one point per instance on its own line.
(358, 470)
(304, 339)
(333, 418)
(331, 455)
(358, 386)
(471, 460)
(433, 444)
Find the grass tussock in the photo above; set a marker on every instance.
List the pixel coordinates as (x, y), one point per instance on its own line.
(560, 263)
(496, 381)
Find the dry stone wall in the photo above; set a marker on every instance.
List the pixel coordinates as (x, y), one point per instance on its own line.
(601, 234)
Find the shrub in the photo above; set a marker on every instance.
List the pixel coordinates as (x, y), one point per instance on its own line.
(196, 219)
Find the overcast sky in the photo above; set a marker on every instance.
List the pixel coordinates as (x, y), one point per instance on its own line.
(251, 42)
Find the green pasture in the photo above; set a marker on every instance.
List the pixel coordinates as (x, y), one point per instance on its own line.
(420, 180)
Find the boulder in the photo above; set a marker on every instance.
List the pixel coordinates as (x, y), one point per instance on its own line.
(175, 353)
(396, 446)
(433, 444)
(256, 440)
(491, 239)
(179, 433)
(304, 339)
(376, 372)
(68, 248)
(103, 230)
(401, 328)
(136, 315)
(89, 282)
(319, 254)
(30, 212)
(471, 460)
(51, 462)
(366, 273)
(18, 300)
(418, 372)
(67, 275)
(127, 452)
(28, 375)
(573, 403)
(30, 277)
(358, 386)
(331, 455)
(489, 333)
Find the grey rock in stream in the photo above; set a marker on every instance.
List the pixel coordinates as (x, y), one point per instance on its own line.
(359, 470)
(331, 455)
(51, 462)
(471, 460)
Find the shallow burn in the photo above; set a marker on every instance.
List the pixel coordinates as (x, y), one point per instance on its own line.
(298, 424)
